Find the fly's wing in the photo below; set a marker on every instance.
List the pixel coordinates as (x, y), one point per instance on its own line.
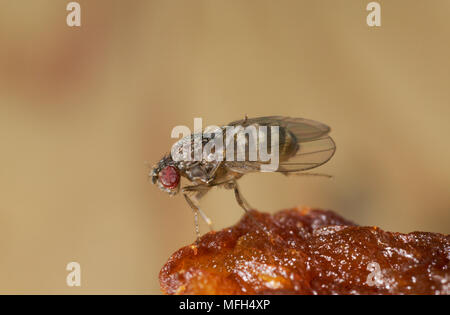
(310, 154)
(306, 129)
(303, 144)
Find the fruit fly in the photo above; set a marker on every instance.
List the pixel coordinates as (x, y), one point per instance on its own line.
(302, 145)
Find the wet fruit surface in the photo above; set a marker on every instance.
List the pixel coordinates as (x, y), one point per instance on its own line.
(309, 252)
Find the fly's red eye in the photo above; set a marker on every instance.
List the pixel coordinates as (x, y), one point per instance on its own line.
(169, 177)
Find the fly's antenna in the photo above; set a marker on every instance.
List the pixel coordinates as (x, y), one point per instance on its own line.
(151, 169)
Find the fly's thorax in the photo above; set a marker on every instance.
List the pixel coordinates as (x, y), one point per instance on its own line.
(223, 175)
(200, 172)
(199, 147)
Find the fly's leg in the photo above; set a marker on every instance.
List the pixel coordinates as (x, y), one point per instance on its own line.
(206, 219)
(239, 198)
(198, 191)
(241, 201)
(195, 209)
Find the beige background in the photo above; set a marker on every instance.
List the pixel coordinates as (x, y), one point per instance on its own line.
(83, 111)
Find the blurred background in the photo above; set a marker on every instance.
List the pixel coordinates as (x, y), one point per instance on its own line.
(85, 112)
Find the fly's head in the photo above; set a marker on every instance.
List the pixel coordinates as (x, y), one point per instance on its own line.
(166, 175)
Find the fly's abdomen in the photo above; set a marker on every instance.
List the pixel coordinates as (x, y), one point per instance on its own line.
(250, 143)
(302, 144)
(288, 144)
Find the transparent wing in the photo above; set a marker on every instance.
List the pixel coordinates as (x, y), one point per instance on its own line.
(303, 144)
(303, 129)
(311, 154)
